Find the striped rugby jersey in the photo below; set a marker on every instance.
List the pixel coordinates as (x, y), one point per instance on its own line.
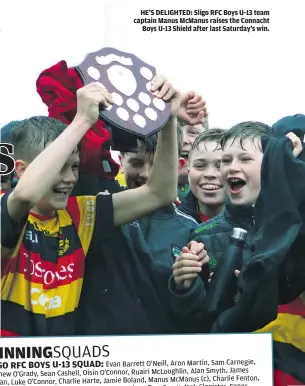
(42, 278)
(288, 331)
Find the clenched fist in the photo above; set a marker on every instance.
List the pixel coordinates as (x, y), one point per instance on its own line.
(189, 264)
(89, 98)
(163, 89)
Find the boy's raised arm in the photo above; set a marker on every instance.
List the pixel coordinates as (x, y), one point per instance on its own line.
(41, 173)
(161, 187)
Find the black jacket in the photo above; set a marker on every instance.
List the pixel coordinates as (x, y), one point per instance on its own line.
(166, 232)
(274, 264)
(125, 288)
(189, 206)
(215, 235)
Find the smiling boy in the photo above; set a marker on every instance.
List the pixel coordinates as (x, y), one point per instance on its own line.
(190, 132)
(46, 234)
(241, 174)
(207, 196)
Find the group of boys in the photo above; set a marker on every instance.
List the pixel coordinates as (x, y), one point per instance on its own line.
(130, 262)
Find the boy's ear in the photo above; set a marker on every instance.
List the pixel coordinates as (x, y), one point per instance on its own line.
(181, 164)
(20, 167)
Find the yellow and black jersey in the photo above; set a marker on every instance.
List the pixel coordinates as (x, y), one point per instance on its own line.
(288, 331)
(43, 275)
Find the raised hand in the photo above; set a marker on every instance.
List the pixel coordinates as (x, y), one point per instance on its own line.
(163, 89)
(89, 99)
(296, 143)
(193, 110)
